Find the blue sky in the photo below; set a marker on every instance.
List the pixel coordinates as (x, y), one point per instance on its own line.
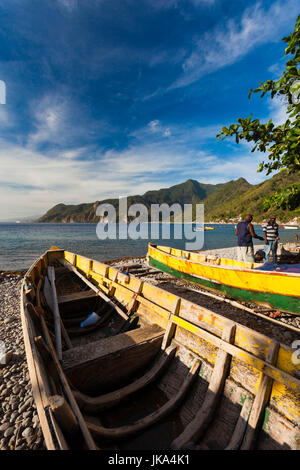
(116, 97)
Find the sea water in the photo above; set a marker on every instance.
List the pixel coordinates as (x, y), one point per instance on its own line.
(22, 243)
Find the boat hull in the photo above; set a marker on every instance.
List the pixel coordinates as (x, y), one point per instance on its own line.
(228, 364)
(246, 285)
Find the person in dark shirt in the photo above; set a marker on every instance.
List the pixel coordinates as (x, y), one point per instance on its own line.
(245, 232)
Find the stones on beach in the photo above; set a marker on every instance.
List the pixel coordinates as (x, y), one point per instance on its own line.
(4, 427)
(27, 432)
(19, 423)
(9, 431)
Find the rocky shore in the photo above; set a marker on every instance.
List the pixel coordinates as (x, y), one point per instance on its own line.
(19, 423)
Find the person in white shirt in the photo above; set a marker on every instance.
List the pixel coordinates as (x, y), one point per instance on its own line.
(271, 237)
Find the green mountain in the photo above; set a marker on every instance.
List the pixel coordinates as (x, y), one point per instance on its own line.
(225, 202)
(190, 192)
(233, 203)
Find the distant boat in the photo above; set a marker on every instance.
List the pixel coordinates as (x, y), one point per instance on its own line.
(18, 221)
(290, 227)
(201, 229)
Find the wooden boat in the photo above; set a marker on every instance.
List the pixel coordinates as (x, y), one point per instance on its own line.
(279, 289)
(155, 372)
(200, 229)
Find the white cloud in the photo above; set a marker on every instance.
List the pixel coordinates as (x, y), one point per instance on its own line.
(4, 117)
(167, 4)
(278, 108)
(154, 125)
(32, 182)
(58, 120)
(226, 44)
(69, 5)
(49, 116)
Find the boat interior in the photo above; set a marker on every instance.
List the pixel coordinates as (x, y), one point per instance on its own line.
(154, 371)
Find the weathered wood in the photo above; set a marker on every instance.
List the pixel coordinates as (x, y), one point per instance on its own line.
(38, 292)
(65, 335)
(39, 381)
(43, 349)
(202, 419)
(85, 432)
(64, 415)
(34, 316)
(259, 364)
(51, 298)
(95, 288)
(157, 415)
(260, 400)
(75, 296)
(134, 301)
(54, 306)
(45, 353)
(171, 326)
(241, 425)
(146, 273)
(112, 287)
(199, 332)
(117, 357)
(95, 404)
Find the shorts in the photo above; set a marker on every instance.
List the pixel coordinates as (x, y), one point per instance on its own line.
(245, 253)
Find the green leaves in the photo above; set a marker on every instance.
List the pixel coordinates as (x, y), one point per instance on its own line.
(282, 142)
(287, 198)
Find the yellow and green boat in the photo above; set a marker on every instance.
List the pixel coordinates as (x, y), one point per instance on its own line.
(154, 372)
(246, 281)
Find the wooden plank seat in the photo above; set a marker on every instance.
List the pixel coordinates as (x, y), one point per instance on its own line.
(120, 432)
(101, 365)
(75, 296)
(95, 404)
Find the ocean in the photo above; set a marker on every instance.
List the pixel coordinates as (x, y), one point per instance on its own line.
(22, 243)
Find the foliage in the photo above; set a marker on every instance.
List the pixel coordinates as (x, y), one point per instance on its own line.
(282, 142)
(287, 198)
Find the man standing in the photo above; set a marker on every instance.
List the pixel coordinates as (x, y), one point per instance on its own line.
(245, 232)
(271, 238)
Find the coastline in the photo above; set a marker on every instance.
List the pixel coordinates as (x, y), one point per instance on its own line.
(19, 423)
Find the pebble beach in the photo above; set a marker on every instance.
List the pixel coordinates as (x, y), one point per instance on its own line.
(19, 423)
